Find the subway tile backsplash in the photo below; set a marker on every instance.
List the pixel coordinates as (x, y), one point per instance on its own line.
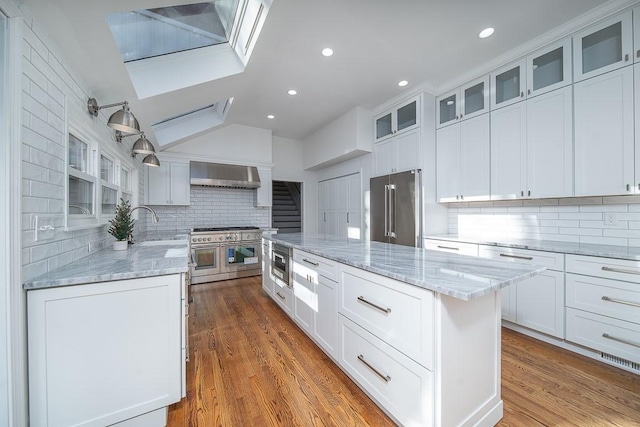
(212, 207)
(578, 220)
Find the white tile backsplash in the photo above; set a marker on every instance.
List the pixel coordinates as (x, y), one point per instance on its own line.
(579, 220)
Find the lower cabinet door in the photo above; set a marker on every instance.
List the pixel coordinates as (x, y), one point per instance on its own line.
(540, 303)
(326, 320)
(305, 303)
(400, 385)
(284, 297)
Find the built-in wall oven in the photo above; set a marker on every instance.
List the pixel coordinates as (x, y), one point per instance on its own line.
(281, 264)
(223, 253)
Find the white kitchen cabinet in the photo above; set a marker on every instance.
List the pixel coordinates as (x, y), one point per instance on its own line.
(399, 119)
(636, 34)
(532, 147)
(636, 91)
(267, 280)
(326, 317)
(603, 47)
(264, 193)
(339, 202)
(168, 184)
(538, 302)
(550, 144)
(463, 103)
(400, 153)
(508, 84)
(508, 151)
(102, 353)
(283, 296)
(549, 68)
(462, 160)
(604, 134)
(305, 301)
(461, 248)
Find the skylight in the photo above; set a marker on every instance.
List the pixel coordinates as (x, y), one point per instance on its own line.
(147, 33)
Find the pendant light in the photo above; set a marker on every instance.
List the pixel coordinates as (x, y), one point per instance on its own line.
(151, 160)
(143, 146)
(122, 120)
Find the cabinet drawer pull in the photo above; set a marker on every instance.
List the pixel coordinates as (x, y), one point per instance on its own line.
(621, 301)
(528, 258)
(385, 378)
(622, 340)
(626, 57)
(280, 295)
(620, 270)
(448, 247)
(376, 306)
(310, 262)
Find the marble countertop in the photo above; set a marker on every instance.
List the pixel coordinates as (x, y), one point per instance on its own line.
(590, 249)
(139, 260)
(458, 276)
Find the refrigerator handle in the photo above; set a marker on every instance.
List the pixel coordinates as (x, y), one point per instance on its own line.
(392, 211)
(386, 211)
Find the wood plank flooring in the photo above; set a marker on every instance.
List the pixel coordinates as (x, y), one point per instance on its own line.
(251, 366)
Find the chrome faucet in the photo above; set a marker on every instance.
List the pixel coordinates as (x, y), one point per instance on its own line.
(154, 215)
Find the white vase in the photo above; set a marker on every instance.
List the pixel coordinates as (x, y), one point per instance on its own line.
(120, 245)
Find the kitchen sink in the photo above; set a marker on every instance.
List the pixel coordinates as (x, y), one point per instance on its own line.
(163, 243)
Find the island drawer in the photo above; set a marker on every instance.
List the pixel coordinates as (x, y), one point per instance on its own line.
(613, 298)
(608, 268)
(284, 297)
(605, 334)
(451, 247)
(400, 385)
(400, 314)
(324, 267)
(550, 260)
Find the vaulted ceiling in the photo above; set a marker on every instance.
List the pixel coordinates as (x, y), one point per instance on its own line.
(376, 43)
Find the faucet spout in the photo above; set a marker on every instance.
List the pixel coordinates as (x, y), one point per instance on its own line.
(154, 215)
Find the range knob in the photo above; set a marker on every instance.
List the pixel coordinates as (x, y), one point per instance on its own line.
(199, 239)
(208, 239)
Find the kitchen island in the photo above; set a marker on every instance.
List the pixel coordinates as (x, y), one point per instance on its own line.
(417, 330)
(107, 337)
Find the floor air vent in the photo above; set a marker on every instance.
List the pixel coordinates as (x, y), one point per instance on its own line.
(620, 361)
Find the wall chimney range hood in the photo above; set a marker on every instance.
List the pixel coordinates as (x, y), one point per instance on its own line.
(221, 175)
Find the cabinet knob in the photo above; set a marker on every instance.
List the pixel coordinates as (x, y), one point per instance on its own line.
(521, 193)
(628, 187)
(529, 92)
(521, 94)
(638, 54)
(626, 57)
(457, 197)
(460, 115)
(456, 117)
(461, 197)
(529, 193)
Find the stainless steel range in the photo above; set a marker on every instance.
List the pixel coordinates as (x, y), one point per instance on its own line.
(223, 253)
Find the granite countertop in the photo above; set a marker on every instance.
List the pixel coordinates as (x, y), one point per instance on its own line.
(458, 276)
(139, 260)
(590, 249)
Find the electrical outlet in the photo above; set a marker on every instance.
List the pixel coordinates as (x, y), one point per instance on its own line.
(611, 218)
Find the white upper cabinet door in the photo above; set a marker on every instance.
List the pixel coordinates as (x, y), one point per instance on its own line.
(474, 159)
(448, 108)
(384, 158)
(508, 84)
(604, 142)
(448, 164)
(603, 47)
(636, 83)
(508, 155)
(180, 185)
(383, 126)
(636, 34)
(549, 68)
(550, 144)
(406, 146)
(158, 185)
(474, 97)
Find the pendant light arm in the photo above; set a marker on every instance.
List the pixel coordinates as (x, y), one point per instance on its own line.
(93, 107)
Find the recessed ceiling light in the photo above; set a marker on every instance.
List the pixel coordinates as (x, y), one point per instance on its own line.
(292, 92)
(271, 116)
(327, 51)
(486, 33)
(403, 83)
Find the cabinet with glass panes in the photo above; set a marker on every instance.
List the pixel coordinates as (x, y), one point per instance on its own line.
(463, 103)
(400, 119)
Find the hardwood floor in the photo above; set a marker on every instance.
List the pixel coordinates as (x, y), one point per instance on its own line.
(251, 366)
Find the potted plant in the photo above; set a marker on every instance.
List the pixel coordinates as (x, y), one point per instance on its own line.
(121, 226)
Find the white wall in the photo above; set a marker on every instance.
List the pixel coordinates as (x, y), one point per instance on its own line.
(288, 166)
(347, 137)
(232, 144)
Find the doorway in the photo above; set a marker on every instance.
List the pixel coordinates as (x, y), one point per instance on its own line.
(286, 209)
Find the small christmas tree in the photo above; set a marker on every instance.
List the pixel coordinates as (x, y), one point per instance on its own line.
(122, 225)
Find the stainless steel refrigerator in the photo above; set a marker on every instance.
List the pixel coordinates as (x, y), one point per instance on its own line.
(396, 202)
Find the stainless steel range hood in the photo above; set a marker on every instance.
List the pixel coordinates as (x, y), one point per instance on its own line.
(221, 175)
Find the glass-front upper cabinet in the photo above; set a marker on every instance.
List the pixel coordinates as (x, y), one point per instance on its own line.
(403, 117)
(549, 68)
(475, 98)
(508, 84)
(603, 47)
(463, 103)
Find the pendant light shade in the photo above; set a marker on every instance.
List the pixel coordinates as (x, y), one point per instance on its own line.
(122, 120)
(151, 160)
(143, 146)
